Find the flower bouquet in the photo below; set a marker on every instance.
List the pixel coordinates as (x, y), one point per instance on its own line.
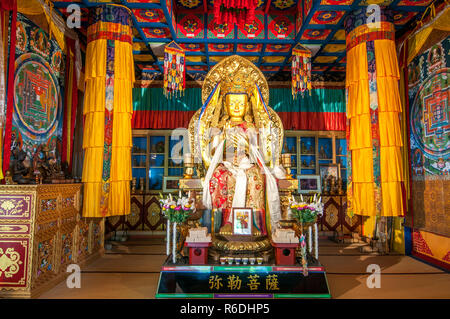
(306, 213)
(176, 212)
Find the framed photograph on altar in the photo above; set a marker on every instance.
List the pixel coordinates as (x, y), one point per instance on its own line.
(242, 221)
(329, 170)
(171, 183)
(309, 184)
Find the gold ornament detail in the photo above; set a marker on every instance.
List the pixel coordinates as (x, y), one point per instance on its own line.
(9, 262)
(238, 67)
(11, 206)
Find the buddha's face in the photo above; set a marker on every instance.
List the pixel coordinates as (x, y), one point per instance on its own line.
(236, 105)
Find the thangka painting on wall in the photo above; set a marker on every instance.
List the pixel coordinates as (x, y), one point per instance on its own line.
(38, 90)
(428, 77)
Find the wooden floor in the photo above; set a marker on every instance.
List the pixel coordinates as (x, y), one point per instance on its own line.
(131, 271)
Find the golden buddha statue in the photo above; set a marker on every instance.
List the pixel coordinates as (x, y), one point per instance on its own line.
(238, 139)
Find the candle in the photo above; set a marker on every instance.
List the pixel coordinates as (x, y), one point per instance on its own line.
(174, 243)
(168, 238)
(179, 193)
(310, 239)
(187, 158)
(316, 249)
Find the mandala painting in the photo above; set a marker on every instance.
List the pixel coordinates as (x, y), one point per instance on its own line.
(38, 89)
(429, 111)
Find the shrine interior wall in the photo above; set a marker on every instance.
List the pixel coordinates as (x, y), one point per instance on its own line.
(428, 93)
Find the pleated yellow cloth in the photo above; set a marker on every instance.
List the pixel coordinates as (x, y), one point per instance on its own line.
(108, 108)
(373, 107)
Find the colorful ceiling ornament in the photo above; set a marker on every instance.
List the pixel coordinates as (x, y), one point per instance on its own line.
(195, 59)
(282, 4)
(189, 4)
(253, 30)
(281, 27)
(339, 35)
(139, 46)
(156, 32)
(220, 47)
(217, 58)
(219, 31)
(197, 68)
(327, 17)
(143, 58)
(334, 48)
(249, 47)
(149, 15)
(401, 18)
(190, 26)
(274, 59)
(316, 34)
(278, 48)
(193, 47)
(269, 68)
(174, 69)
(325, 59)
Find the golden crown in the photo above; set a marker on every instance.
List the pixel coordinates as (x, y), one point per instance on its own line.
(236, 83)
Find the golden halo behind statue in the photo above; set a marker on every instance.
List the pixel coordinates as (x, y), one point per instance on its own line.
(235, 64)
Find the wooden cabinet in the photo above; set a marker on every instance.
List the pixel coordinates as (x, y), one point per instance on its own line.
(41, 233)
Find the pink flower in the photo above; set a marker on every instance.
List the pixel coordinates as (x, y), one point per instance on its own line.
(177, 208)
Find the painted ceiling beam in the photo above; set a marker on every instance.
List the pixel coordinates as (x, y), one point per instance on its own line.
(142, 5)
(354, 6)
(169, 19)
(152, 40)
(152, 25)
(205, 17)
(238, 41)
(266, 10)
(141, 33)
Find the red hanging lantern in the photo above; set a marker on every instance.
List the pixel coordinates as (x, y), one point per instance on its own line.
(234, 11)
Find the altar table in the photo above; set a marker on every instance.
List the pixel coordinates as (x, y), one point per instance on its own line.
(41, 234)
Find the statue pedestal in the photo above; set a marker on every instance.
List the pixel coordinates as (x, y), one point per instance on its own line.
(215, 281)
(198, 253)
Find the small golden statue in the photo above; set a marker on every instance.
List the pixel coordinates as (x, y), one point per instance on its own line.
(8, 178)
